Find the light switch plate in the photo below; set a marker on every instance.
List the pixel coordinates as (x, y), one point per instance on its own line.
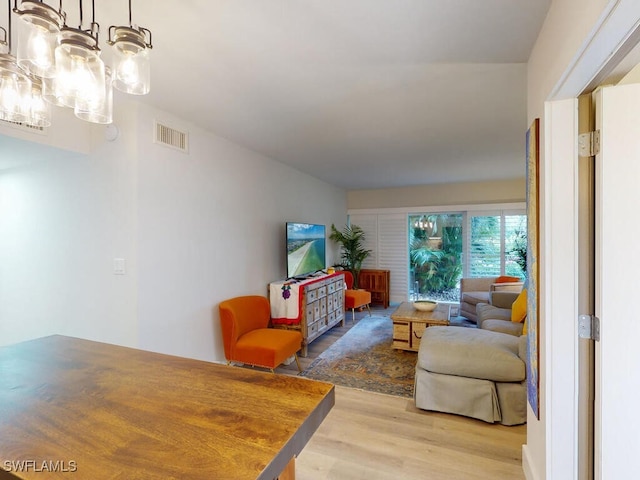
(119, 266)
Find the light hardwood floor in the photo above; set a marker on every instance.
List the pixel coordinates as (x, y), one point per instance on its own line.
(371, 436)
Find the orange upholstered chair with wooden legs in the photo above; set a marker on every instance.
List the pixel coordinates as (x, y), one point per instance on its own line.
(247, 338)
(355, 298)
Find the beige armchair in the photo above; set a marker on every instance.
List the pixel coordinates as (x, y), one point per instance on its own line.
(478, 290)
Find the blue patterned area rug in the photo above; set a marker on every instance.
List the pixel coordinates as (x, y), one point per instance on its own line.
(363, 358)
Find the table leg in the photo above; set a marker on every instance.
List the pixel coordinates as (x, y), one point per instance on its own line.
(289, 472)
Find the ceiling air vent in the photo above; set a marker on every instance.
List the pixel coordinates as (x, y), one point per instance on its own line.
(24, 127)
(171, 137)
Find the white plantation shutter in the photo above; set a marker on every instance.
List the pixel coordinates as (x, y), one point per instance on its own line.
(514, 224)
(369, 224)
(489, 251)
(393, 253)
(484, 245)
(386, 237)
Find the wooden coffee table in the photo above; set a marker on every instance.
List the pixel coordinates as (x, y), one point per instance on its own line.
(409, 324)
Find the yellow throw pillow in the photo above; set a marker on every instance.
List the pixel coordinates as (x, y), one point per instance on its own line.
(524, 327)
(519, 307)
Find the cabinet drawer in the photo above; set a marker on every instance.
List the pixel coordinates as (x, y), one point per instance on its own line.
(312, 295)
(331, 287)
(401, 335)
(308, 314)
(322, 325)
(417, 330)
(322, 292)
(378, 297)
(312, 329)
(330, 302)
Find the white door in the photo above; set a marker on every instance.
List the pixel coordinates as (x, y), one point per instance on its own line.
(617, 409)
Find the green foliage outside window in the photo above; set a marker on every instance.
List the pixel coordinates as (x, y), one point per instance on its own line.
(436, 252)
(436, 249)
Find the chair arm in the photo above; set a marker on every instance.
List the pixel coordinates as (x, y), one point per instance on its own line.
(476, 284)
(503, 326)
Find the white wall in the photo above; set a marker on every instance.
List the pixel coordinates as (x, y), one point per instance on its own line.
(193, 229)
(468, 193)
(211, 226)
(64, 216)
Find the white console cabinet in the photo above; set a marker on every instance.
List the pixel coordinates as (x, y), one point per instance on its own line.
(319, 305)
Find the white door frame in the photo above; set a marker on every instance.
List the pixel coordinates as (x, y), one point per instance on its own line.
(614, 35)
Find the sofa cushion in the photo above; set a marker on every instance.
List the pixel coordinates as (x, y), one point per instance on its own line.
(522, 348)
(503, 299)
(473, 298)
(471, 352)
(484, 311)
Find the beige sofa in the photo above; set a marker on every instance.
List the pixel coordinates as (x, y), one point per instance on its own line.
(478, 290)
(472, 372)
(496, 316)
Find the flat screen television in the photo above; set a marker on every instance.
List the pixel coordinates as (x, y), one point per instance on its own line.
(305, 249)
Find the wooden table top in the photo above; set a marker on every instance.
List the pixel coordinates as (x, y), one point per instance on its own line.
(406, 312)
(104, 411)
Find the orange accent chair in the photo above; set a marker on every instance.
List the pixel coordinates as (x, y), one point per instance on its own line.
(355, 298)
(247, 338)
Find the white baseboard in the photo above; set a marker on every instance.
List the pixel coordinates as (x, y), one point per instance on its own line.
(530, 472)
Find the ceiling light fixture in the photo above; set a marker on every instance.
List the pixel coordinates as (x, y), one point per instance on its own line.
(15, 84)
(60, 65)
(38, 37)
(132, 48)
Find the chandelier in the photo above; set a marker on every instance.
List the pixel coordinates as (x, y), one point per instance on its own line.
(424, 222)
(59, 65)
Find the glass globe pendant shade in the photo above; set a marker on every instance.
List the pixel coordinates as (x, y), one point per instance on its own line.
(98, 109)
(15, 91)
(49, 93)
(40, 115)
(131, 61)
(38, 33)
(80, 70)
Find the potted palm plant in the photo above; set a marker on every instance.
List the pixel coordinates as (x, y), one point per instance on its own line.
(352, 252)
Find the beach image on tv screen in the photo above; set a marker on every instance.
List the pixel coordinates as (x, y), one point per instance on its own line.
(305, 248)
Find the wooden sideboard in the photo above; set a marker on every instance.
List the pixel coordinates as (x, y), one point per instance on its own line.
(321, 307)
(376, 282)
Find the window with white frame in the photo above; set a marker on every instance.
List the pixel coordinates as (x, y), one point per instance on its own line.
(496, 244)
(431, 246)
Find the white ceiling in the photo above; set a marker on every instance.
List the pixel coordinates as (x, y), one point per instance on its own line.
(358, 93)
